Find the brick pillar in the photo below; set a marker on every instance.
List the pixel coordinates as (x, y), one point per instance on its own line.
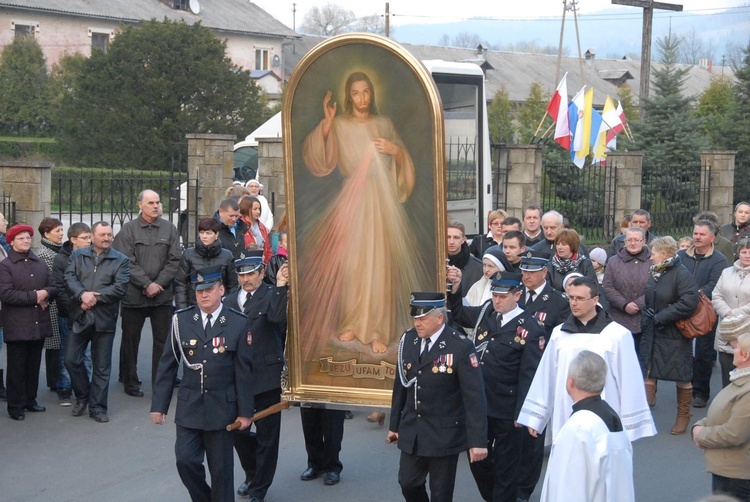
(524, 177)
(628, 178)
(271, 174)
(717, 183)
(210, 161)
(29, 185)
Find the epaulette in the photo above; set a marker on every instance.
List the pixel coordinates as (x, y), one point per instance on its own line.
(186, 309)
(235, 311)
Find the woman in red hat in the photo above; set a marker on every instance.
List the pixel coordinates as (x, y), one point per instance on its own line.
(26, 290)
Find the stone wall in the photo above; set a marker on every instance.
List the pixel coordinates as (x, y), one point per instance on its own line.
(524, 177)
(271, 174)
(629, 174)
(718, 169)
(29, 185)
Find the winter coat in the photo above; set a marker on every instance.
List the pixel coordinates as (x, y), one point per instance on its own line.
(58, 272)
(470, 266)
(625, 280)
(154, 253)
(555, 277)
(250, 240)
(47, 252)
(664, 353)
(480, 244)
(21, 274)
(732, 292)
(107, 274)
(733, 233)
(618, 243)
(705, 269)
(199, 257)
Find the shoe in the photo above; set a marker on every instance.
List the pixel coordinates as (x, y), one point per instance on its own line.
(35, 408)
(699, 402)
(376, 417)
(242, 490)
(3, 392)
(20, 416)
(100, 417)
(331, 478)
(134, 393)
(683, 410)
(309, 474)
(348, 415)
(79, 408)
(255, 499)
(65, 399)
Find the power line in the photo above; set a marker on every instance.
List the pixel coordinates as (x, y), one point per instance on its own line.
(587, 17)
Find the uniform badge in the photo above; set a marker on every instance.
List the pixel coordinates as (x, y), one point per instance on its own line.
(545, 297)
(222, 320)
(193, 342)
(442, 344)
(416, 340)
(542, 342)
(196, 316)
(473, 360)
(249, 338)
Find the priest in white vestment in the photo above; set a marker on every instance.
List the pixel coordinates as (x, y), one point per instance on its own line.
(548, 404)
(592, 458)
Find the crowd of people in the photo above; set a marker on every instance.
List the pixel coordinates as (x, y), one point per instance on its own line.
(538, 341)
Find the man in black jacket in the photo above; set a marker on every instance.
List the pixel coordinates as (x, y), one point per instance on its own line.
(265, 307)
(233, 229)
(706, 264)
(97, 279)
(459, 256)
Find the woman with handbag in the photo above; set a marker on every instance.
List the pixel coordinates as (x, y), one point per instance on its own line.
(671, 295)
(730, 297)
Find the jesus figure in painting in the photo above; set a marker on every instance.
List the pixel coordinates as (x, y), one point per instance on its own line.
(359, 262)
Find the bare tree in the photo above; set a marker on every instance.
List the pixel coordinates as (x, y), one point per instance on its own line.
(693, 48)
(374, 23)
(327, 21)
(734, 56)
(532, 47)
(444, 41)
(468, 40)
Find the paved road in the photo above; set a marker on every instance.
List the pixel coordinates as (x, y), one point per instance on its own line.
(57, 457)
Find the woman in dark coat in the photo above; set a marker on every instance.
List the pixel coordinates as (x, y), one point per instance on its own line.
(26, 290)
(671, 295)
(206, 252)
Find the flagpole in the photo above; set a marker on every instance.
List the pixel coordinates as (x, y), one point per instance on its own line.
(578, 41)
(560, 45)
(547, 131)
(540, 123)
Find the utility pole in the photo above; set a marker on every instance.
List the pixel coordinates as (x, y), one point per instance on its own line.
(387, 19)
(648, 7)
(294, 17)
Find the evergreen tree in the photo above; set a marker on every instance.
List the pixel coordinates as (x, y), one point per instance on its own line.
(500, 118)
(25, 86)
(671, 132)
(714, 106)
(531, 112)
(625, 97)
(134, 104)
(736, 127)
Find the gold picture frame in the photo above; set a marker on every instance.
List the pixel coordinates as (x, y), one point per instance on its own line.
(364, 151)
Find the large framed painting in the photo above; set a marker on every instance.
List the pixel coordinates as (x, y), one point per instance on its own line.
(365, 180)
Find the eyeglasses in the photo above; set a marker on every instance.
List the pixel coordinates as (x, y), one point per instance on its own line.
(633, 241)
(578, 299)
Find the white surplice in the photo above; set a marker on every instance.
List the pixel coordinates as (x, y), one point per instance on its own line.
(548, 404)
(589, 463)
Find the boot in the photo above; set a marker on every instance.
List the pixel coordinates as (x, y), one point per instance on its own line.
(376, 417)
(684, 398)
(651, 392)
(3, 395)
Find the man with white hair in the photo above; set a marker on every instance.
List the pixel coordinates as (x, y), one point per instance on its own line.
(266, 216)
(592, 458)
(552, 223)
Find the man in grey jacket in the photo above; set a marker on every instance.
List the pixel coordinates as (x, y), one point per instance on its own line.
(97, 279)
(152, 245)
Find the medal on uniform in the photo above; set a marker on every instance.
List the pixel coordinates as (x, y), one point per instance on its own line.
(216, 341)
(222, 349)
(449, 363)
(521, 335)
(517, 339)
(442, 366)
(435, 369)
(481, 337)
(408, 366)
(193, 342)
(222, 345)
(190, 352)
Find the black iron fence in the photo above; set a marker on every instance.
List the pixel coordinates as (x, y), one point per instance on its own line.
(587, 197)
(499, 155)
(672, 195)
(93, 194)
(8, 209)
(461, 160)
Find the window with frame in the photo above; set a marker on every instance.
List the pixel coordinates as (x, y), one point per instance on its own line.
(24, 31)
(99, 41)
(262, 59)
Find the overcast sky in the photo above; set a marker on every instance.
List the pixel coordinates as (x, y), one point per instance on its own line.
(441, 11)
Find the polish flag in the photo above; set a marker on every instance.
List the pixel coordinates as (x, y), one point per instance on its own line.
(558, 110)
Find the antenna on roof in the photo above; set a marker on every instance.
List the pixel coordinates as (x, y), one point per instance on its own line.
(195, 7)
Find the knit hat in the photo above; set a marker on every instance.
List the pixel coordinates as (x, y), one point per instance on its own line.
(17, 229)
(496, 256)
(733, 326)
(598, 255)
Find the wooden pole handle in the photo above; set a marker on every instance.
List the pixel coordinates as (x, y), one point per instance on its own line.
(282, 405)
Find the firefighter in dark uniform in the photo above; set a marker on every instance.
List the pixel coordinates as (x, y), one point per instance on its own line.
(265, 307)
(438, 408)
(509, 343)
(552, 308)
(214, 344)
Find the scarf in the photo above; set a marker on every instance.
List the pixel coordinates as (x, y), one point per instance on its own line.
(460, 259)
(4, 243)
(738, 373)
(738, 229)
(567, 265)
(657, 270)
(51, 245)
